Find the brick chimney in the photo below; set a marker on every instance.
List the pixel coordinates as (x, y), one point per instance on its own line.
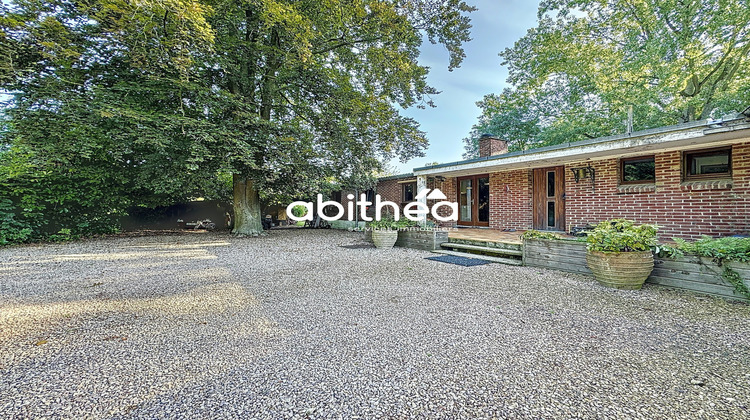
(489, 145)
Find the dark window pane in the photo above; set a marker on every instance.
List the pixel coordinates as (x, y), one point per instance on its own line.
(465, 200)
(550, 184)
(639, 170)
(708, 163)
(409, 192)
(551, 214)
(483, 211)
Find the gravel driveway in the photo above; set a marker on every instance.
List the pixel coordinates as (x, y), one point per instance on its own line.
(293, 325)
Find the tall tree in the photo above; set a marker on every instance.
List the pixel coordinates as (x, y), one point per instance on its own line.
(160, 95)
(577, 73)
(326, 78)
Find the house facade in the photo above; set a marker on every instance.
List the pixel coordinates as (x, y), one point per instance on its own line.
(691, 179)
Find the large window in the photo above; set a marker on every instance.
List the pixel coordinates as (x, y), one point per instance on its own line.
(640, 170)
(408, 192)
(706, 164)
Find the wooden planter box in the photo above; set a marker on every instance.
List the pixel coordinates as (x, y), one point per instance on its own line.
(690, 272)
(427, 239)
(698, 274)
(562, 255)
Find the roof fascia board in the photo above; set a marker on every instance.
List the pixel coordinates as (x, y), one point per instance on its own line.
(597, 148)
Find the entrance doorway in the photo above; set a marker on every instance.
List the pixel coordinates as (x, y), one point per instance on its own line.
(474, 200)
(549, 198)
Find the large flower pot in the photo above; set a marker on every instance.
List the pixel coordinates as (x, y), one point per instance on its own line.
(621, 270)
(384, 238)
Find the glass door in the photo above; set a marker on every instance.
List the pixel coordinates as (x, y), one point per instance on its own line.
(474, 200)
(465, 201)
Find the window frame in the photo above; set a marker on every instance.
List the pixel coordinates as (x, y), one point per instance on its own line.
(686, 155)
(403, 191)
(623, 161)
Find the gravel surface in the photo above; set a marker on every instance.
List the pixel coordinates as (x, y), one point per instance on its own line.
(292, 325)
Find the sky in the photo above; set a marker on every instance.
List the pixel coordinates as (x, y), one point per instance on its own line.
(496, 25)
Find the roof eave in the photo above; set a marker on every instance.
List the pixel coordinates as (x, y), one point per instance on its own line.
(689, 135)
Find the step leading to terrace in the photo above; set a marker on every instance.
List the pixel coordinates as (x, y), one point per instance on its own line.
(504, 252)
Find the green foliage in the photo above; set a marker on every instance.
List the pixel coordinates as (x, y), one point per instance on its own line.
(718, 249)
(388, 222)
(63, 235)
(536, 234)
(119, 104)
(621, 235)
(299, 211)
(668, 251)
(737, 281)
(12, 230)
(575, 75)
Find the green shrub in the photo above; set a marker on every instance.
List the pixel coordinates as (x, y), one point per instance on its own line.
(719, 249)
(299, 211)
(387, 222)
(12, 230)
(64, 235)
(536, 234)
(621, 235)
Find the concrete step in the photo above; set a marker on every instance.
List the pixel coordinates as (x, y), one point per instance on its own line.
(500, 260)
(485, 249)
(488, 244)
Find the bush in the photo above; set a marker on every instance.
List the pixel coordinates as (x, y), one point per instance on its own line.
(387, 222)
(536, 234)
(720, 249)
(12, 230)
(299, 211)
(621, 235)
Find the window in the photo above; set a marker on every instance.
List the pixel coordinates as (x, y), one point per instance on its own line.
(409, 191)
(640, 170)
(704, 164)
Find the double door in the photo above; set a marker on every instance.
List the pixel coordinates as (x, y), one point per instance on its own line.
(474, 200)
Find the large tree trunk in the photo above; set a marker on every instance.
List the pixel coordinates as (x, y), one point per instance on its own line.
(247, 217)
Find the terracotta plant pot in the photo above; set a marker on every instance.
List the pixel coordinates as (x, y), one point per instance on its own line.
(384, 238)
(621, 270)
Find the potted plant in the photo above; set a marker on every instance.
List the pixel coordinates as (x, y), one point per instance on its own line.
(384, 232)
(619, 253)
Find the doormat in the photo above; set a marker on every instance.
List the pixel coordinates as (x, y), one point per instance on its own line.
(358, 246)
(453, 259)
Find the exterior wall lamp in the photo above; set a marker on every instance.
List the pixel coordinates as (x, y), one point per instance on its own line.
(585, 173)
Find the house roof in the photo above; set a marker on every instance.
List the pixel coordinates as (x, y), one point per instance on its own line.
(399, 176)
(686, 136)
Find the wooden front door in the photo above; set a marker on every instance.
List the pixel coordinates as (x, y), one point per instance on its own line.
(549, 198)
(474, 200)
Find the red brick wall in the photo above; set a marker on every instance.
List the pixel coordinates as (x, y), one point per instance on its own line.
(391, 190)
(686, 210)
(490, 146)
(510, 200)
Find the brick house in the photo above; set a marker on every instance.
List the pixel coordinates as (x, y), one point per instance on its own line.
(691, 179)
